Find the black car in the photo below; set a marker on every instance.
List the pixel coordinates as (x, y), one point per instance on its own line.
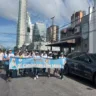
(82, 64)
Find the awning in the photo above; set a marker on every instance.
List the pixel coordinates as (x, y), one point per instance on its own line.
(72, 37)
(64, 43)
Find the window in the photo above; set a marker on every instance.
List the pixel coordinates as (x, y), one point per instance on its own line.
(73, 55)
(93, 56)
(76, 58)
(85, 31)
(85, 58)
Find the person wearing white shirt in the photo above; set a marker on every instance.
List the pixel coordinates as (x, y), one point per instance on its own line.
(49, 57)
(36, 70)
(1, 59)
(62, 70)
(44, 55)
(10, 54)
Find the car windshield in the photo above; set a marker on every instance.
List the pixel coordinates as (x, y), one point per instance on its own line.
(75, 54)
(93, 56)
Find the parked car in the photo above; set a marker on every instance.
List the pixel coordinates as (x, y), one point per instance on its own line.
(82, 64)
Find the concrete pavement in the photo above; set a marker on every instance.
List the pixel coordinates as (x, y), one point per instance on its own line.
(44, 86)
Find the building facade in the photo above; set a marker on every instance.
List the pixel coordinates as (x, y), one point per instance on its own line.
(29, 33)
(39, 32)
(85, 34)
(76, 18)
(92, 28)
(52, 33)
(76, 32)
(22, 25)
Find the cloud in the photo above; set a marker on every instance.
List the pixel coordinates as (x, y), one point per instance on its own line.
(9, 9)
(61, 9)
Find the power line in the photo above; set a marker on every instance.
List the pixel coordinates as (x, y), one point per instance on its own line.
(60, 27)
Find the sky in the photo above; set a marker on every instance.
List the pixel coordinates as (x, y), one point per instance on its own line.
(40, 11)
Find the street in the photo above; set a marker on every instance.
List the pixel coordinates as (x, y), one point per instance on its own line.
(44, 86)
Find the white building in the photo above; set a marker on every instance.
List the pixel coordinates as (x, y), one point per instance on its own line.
(92, 28)
(29, 33)
(39, 36)
(21, 28)
(41, 46)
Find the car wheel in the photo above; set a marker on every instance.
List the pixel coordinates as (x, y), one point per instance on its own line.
(66, 69)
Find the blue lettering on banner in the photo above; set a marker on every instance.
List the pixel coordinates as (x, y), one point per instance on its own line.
(21, 63)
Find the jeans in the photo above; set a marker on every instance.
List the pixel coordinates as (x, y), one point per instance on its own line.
(62, 73)
(8, 72)
(49, 72)
(44, 70)
(36, 71)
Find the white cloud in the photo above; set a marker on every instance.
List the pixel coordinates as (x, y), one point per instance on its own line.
(61, 9)
(9, 9)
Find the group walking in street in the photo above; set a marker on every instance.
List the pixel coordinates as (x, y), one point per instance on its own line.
(5, 57)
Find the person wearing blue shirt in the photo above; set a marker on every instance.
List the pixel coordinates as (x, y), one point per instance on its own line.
(6, 62)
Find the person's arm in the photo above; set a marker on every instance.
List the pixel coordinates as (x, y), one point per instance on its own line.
(65, 60)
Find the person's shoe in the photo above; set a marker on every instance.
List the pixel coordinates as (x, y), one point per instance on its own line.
(62, 78)
(9, 79)
(34, 78)
(37, 76)
(48, 75)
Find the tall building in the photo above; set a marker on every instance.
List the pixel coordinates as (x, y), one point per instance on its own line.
(76, 18)
(39, 33)
(22, 24)
(92, 28)
(29, 33)
(52, 33)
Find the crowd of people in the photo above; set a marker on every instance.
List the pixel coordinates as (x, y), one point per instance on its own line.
(5, 57)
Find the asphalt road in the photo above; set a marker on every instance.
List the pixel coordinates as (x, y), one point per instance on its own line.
(44, 86)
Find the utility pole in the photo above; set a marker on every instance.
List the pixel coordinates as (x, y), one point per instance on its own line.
(52, 39)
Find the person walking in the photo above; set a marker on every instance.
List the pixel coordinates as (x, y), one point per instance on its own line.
(36, 70)
(10, 54)
(44, 55)
(6, 62)
(64, 62)
(49, 57)
(1, 60)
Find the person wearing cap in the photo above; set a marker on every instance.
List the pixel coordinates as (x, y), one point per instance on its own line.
(49, 57)
(10, 54)
(6, 62)
(62, 69)
(36, 70)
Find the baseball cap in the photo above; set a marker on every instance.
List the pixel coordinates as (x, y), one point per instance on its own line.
(10, 49)
(62, 53)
